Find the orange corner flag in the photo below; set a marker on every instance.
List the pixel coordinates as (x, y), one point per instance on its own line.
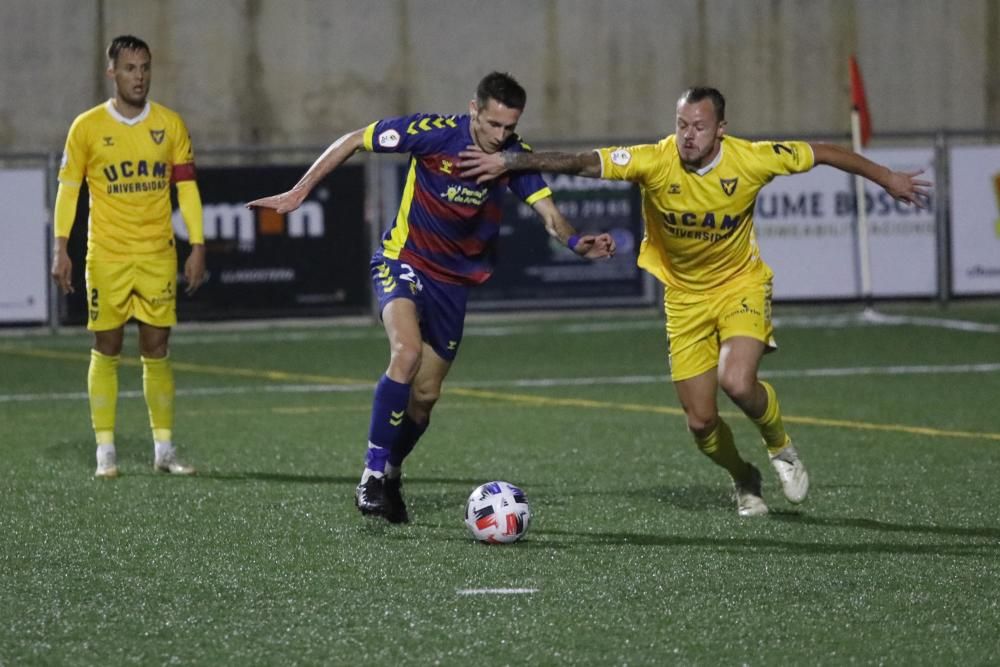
(860, 102)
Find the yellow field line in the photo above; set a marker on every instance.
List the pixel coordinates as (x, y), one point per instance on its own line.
(659, 409)
(527, 399)
(208, 369)
(564, 402)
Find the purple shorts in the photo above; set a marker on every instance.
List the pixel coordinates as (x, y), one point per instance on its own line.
(440, 306)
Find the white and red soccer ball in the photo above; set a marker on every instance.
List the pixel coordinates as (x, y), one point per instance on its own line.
(497, 513)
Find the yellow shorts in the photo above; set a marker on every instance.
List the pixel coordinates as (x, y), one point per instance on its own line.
(145, 289)
(698, 323)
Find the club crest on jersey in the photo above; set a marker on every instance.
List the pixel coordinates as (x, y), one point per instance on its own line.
(728, 185)
(674, 189)
(157, 136)
(621, 157)
(388, 139)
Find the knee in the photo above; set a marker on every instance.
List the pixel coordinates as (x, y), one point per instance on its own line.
(423, 396)
(109, 343)
(153, 350)
(738, 385)
(701, 423)
(404, 359)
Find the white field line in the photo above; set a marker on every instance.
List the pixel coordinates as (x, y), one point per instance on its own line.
(495, 591)
(488, 330)
(841, 321)
(877, 318)
(535, 382)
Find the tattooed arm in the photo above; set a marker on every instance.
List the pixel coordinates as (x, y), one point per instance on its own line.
(488, 166)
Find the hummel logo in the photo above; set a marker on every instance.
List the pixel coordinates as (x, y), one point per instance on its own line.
(452, 344)
(109, 141)
(396, 418)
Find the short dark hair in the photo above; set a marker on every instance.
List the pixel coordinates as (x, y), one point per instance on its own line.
(125, 43)
(501, 87)
(696, 94)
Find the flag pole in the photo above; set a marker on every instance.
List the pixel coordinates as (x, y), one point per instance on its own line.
(861, 129)
(864, 251)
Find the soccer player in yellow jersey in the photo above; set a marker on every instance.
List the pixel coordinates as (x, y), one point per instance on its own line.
(699, 188)
(129, 150)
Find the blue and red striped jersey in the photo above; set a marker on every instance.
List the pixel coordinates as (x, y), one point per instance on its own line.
(447, 226)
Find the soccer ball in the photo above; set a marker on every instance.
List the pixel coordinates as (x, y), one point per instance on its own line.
(497, 513)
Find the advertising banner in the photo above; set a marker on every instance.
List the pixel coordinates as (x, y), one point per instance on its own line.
(535, 270)
(807, 229)
(23, 249)
(312, 261)
(975, 220)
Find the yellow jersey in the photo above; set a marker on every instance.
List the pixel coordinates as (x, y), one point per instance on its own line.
(129, 164)
(699, 224)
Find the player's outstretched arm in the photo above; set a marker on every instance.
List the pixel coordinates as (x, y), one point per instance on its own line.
(591, 246)
(474, 163)
(335, 155)
(903, 186)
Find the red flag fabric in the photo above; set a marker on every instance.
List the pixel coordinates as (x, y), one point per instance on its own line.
(860, 102)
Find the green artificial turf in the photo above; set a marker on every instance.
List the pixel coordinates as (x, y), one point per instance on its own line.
(635, 555)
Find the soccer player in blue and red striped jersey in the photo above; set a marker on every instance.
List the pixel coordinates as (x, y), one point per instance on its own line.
(441, 243)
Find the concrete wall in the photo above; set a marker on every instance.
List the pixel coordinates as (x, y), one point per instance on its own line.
(305, 71)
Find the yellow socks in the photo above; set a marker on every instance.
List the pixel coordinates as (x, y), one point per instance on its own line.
(770, 425)
(721, 448)
(102, 387)
(158, 388)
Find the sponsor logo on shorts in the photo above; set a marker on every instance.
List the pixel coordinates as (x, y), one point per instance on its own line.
(744, 309)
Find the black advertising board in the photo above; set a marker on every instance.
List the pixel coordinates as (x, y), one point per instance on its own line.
(310, 262)
(536, 271)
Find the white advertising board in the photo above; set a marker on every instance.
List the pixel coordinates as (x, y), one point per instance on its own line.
(807, 229)
(975, 219)
(23, 256)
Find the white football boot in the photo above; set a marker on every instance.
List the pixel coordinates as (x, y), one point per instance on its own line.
(792, 473)
(749, 500)
(107, 463)
(166, 461)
